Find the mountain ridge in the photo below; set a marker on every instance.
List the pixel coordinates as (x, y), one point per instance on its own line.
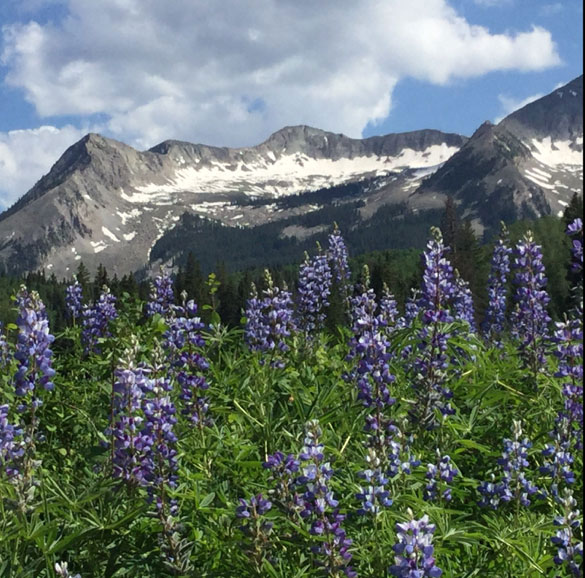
(106, 202)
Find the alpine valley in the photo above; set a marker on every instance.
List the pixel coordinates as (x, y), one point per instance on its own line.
(104, 202)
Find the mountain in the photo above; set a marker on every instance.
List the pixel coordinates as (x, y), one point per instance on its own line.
(105, 202)
(528, 165)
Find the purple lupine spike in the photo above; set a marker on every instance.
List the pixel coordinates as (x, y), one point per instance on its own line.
(374, 496)
(388, 313)
(515, 486)
(283, 470)
(33, 352)
(12, 444)
(463, 307)
(74, 300)
(569, 548)
(439, 476)
(270, 321)
(568, 340)
(575, 229)
(162, 296)
(126, 417)
(314, 290)
(184, 342)
(431, 360)
(371, 349)
(62, 570)
(339, 258)
(558, 459)
(495, 317)
(5, 354)
(96, 320)
(530, 319)
(414, 550)
(157, 443)
(320, 508)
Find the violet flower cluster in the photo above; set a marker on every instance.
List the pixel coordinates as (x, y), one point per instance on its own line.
(5, 356)
(515, 486)
(558, 457)
(33, 347)
(314, 289)
(414, 550)
(127, 418)
(62, 570)
(162, 296)
(339, 259)
(184, 342)
(439, 476)
(142, 430)
(431, 360)
(568, 341)
(569, 548)
(370, 347)
(374, 496)
(270, 321)
(74, 300)
(530, 319)
(302, 489)
(96, 319)
(494, 323)
(575, 229)
(463, 306)
(12, 445)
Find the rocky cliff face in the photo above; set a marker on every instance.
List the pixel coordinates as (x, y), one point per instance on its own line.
(105, 202)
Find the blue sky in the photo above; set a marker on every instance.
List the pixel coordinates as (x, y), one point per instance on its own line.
(232, 72)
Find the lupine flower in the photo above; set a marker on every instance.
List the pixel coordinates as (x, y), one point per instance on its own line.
(414, 550)
(495, 317)
(431, 360)
(575, 229)
(314, 290)
(568, 340)
(320, 507)
(283, 472)
(569, 548)
(251, 513)
(33, 351)
(162, 296)
(530, 318)
(388, 315)
(411, 310)
(515, 486)
(96, 320)
(12, 445)
(127, 418)
(370, 347)
(157, 443)
(269, 321)
(184, 342)
(374, 496)
(439, 476)
(62, 570)
(5, 356)
(557, 454)
(74, 300)
(463, 307)
(339, 257)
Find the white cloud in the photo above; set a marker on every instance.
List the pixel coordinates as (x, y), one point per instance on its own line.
(25, 155)
(191, 68)
(492, 3)
(232, 72)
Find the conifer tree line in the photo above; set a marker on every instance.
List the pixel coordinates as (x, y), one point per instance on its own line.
(226, 291)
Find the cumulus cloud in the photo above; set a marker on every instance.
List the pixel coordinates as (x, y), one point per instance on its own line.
(25, 155)
(231, 72)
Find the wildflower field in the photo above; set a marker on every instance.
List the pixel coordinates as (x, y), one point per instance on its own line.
(142, 442)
